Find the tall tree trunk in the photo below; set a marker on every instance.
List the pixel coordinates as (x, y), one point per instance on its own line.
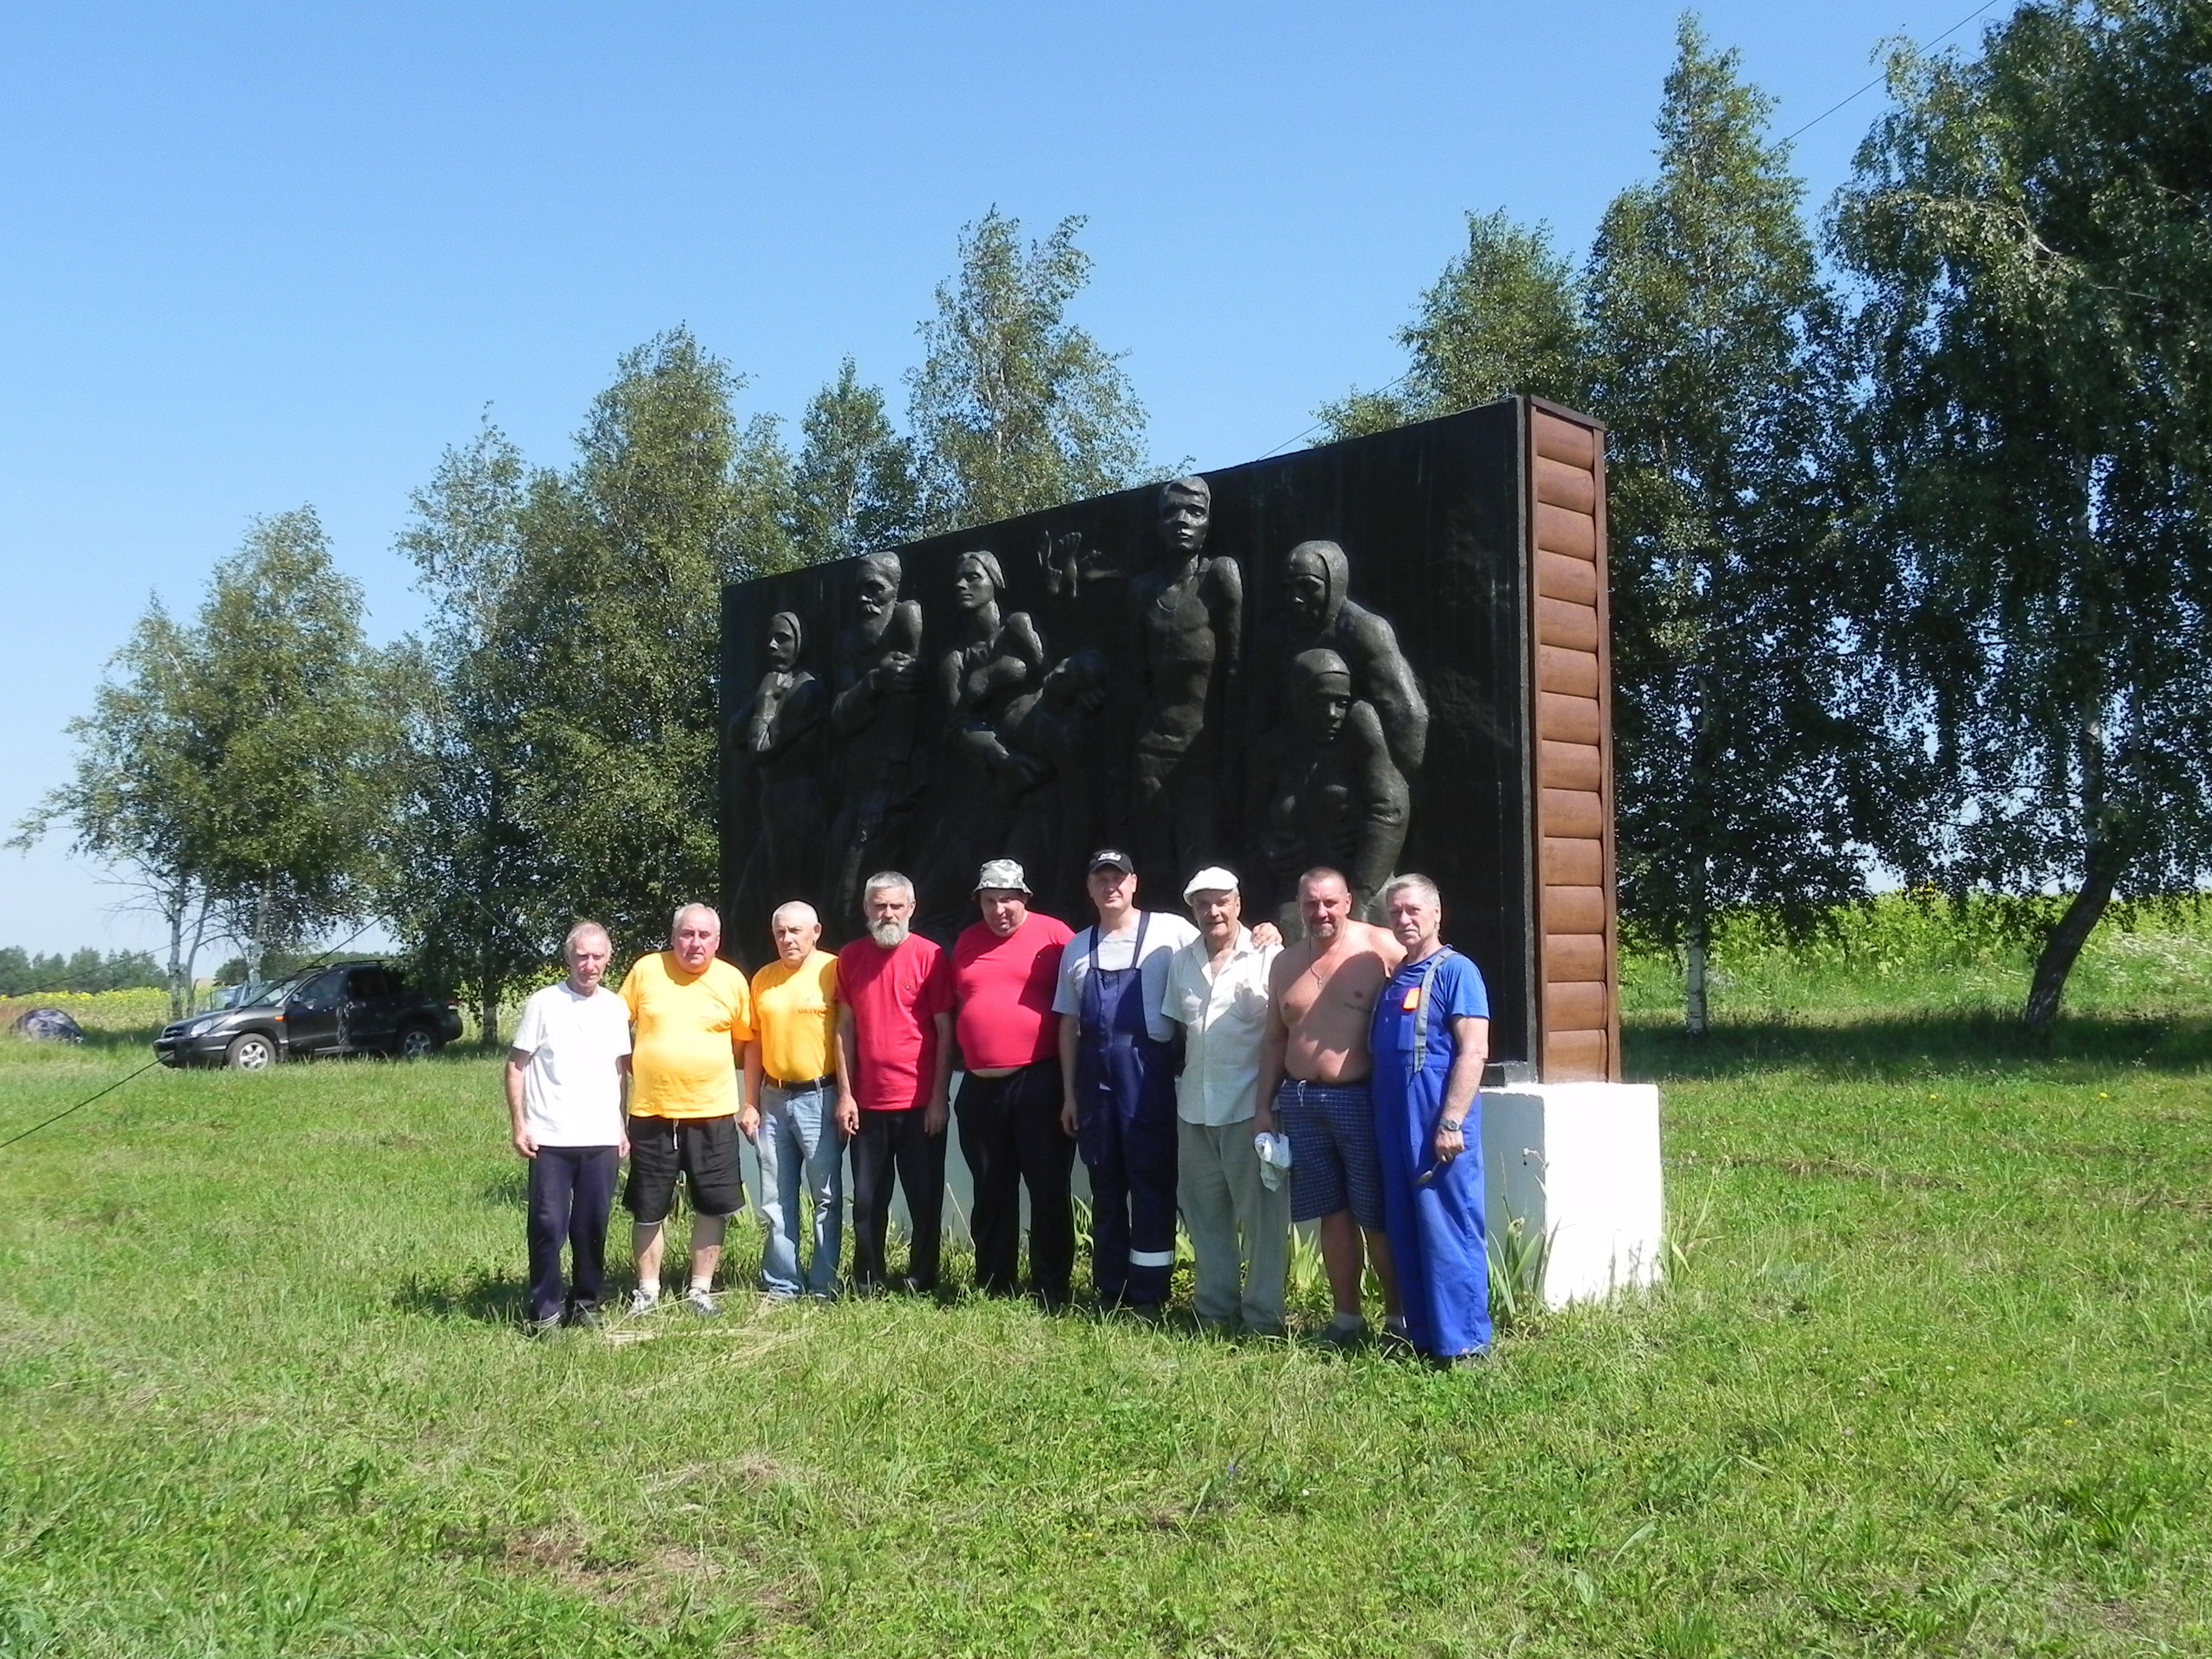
(487, 973)
(2064, 946)
(1693, 952)
(177, 989)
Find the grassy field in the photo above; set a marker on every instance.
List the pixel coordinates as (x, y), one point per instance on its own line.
(1930, 1375)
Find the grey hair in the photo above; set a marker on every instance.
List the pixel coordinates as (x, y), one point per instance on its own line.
(676, 921)
(1418, 884)
(795, 907)
(584, 930)
(883, 879)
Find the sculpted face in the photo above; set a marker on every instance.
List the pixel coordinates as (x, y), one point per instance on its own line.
(1184, 516)
(1415, 918)
(1005, 909)
(782, 645)
(878, 592)
(1305, 592)
(972, 587)
(1324, 906)
(588, 954)
(1112, 892)
(1323, 704)
(796, 933)
(698, 936)
(1218, 911)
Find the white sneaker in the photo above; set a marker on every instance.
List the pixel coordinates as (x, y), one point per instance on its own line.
(701, 1304)
(643, 1302)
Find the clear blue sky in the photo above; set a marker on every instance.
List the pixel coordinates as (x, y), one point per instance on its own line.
(257, 256)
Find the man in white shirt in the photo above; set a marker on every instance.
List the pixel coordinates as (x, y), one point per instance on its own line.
(1117, 1078)
(1240, 1227)
(567, 1084)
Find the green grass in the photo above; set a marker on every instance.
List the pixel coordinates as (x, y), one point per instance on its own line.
(1931, 1375)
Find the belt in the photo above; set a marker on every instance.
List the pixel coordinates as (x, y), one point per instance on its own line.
(798, 1088)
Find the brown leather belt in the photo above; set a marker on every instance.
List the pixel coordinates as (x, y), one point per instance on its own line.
(798, 1088)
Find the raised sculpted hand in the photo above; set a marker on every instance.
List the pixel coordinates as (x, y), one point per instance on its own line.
(897, 672)
(1060, 561)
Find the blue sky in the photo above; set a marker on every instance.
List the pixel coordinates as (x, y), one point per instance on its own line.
(257, 256)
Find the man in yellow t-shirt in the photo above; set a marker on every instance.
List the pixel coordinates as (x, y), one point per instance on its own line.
(690, 1018)
(791, 1072)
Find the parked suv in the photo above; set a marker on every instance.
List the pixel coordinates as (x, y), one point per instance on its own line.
(349, 1008)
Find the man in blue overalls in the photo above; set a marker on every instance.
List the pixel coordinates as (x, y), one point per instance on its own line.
(1431, 1034)
(1117, 1068)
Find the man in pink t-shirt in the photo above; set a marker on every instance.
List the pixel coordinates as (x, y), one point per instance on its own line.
(895, 1043)
(1005, 970)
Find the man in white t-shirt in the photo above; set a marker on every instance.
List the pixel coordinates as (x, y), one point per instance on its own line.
(567, 1087)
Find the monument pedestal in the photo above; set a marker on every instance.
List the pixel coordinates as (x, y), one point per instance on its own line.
(1576, 1164)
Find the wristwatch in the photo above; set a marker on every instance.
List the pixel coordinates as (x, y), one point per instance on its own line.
(1451, 1126)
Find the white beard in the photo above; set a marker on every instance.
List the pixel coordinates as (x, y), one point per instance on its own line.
(890, 933)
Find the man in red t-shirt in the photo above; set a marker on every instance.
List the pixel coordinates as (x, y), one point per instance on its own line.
(895, 1044)
(1005, 968)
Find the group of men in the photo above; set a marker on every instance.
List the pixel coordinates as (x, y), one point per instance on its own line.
(1199, 1066)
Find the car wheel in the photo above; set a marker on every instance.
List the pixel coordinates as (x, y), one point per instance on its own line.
(417, 1042)
(251, 1053)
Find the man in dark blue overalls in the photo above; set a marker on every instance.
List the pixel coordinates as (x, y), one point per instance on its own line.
(1117, 1068)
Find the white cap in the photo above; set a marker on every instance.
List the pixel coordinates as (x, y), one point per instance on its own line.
(1211, 880)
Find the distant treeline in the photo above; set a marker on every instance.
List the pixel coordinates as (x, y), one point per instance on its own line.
(24, 975)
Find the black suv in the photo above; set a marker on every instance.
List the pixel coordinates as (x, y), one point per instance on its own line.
(350, 1008)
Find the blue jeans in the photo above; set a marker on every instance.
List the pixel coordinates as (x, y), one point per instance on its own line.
(799, 1136)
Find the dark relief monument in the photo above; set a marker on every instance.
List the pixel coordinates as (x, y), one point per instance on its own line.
(1383, 655)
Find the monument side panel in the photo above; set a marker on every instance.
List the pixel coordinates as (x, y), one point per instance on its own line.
(1576, 977)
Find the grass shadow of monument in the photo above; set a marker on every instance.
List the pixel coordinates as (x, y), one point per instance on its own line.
(1897, 1047)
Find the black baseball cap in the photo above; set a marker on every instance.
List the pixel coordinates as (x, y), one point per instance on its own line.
(1106, 858)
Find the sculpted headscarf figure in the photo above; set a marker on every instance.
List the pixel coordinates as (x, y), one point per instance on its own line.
(780, 731)
(1319, 614)
(1331, 794)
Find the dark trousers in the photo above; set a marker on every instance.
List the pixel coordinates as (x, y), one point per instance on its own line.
(893, 1142)
(1010, 1135)
(572, 1192)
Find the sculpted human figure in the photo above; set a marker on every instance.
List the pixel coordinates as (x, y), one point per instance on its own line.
(781, 732)
(1185, 646)
(876, 667)
(1330, 794)
(993, 660)
(1318, 615)
(1037, 761)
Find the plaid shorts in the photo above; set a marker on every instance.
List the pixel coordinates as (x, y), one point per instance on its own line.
(1334, 1163)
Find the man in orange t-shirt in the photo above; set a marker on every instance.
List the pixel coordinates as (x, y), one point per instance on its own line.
(691, 1017)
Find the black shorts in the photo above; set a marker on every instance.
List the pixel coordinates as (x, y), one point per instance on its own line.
(703, 1150)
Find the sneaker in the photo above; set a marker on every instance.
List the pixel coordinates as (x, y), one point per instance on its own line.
(701, 1304)
(583, 1318)
(542, 1328)
(643, 1302)
(1346, 1331)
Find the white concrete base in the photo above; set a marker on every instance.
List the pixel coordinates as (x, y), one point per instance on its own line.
(1577, 1164)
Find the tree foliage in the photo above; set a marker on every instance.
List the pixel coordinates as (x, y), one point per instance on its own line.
(854, 487)
(1504, 317)
(1747, 741)
(1015, 408)
(2032, 231)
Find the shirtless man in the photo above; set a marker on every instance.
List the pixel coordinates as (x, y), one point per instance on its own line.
(1314, 1064)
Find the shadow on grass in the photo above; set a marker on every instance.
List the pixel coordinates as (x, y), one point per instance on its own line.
(1904, 1046)
(488, 1299)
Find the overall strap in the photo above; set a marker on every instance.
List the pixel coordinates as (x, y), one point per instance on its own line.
(1421, 1012)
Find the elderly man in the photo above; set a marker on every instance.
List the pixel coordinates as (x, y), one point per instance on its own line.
(1005, 970)
(791, 1077)
(690, 1016)
(895, 1049)
(567, 1072)
(1117, 1078)
(1430, 1036)
(1314, 1071)
(1240, 1226)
